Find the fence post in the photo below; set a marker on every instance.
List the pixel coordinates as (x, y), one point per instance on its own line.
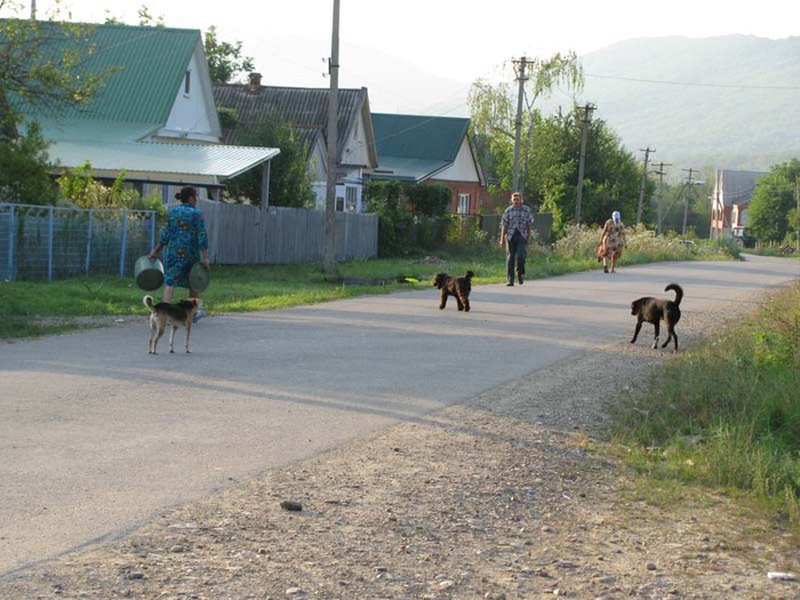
(50, 234)
(11, 229)
(89, 242)
(124, 243)
(153, 216)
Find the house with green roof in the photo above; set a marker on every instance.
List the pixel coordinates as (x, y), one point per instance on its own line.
(430, 149)
(154, 117)
(306, 110)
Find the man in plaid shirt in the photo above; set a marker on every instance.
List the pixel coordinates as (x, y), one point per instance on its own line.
(515, 233)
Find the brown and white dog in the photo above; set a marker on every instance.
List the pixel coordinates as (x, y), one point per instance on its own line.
(655, 310)
(458, 287)
(176, 315)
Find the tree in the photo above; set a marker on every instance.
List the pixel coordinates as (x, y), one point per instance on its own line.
(611, 175)
(290, 182)
(773, 199)
(225, 60)
(493, 112)
(42, 66)
(25, 169)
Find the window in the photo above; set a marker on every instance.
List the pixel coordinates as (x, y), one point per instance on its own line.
(463, 204)
(351, 193)
(187, 83)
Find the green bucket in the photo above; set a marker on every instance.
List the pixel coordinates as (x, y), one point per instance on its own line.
(149, 273)
(198, 277)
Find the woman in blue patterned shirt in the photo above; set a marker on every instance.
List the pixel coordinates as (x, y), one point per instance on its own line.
(185, 239)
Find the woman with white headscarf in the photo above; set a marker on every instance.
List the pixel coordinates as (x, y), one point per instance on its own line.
(612, 241)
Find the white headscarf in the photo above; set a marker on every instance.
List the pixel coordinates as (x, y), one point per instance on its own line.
(616, 216)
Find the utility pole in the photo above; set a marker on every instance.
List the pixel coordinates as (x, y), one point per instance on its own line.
(329, 255)
(660, 172)
(582, 160)
(519, 66)
(647, 152)
(686, 199)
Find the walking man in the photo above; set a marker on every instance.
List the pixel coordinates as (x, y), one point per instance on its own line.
(515, 233)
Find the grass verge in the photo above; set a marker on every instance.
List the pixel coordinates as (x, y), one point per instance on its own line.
(725, 415)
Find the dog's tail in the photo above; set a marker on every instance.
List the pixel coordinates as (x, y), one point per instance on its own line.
(678, 292)
(148, 301)
(469, 275)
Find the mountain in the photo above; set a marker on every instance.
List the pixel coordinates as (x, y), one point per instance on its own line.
(728, 102)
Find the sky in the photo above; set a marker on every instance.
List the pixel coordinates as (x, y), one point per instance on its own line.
(420, 56)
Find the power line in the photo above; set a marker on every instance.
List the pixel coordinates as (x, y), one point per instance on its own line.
(791, 88)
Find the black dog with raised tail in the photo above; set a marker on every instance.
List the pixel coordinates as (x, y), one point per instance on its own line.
(655, 310)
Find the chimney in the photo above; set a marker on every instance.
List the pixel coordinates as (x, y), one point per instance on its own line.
(255, 82)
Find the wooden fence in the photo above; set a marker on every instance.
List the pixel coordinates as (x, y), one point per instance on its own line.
(244, 235)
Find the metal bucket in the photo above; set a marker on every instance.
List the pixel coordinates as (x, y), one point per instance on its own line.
(198, 277)
(149, 273)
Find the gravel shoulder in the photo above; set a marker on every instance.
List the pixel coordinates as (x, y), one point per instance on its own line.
(499, 498)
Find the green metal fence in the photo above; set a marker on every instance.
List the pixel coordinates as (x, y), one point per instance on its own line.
(48, 242)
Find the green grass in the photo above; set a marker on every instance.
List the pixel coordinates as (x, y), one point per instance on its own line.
(725, 415)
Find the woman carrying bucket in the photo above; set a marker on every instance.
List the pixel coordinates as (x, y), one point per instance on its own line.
(185, 239)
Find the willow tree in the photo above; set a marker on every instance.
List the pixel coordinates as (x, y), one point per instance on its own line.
(495, 114)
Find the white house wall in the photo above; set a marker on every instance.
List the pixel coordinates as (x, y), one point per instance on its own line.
(194, 115)
(356, 151)
(463, 169)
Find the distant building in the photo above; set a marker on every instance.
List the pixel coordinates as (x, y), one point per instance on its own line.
(730, 202)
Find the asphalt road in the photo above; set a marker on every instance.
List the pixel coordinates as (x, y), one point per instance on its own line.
(97, 436)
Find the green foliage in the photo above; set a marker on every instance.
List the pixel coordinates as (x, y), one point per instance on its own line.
(24, 169)
(395, 220)
(290, 182)
(772, 201)
(430, 200)
(493, 113)
(728, 415)
(77, 186)
(225, 60)
(42, 66)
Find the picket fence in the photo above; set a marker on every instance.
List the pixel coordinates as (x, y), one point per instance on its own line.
(45, 242)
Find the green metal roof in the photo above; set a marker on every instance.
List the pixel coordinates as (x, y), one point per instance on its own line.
(163, 161)
(148, 68)
(422, 137)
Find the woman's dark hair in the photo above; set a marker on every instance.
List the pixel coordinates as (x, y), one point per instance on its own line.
(186, 194)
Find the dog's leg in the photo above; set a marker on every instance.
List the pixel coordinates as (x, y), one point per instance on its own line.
(657, 326)
(188, 333)
(152, 334)
(671, 335)
(459, 301)
(466, 304)
(172, 338)
(443, 299)
(159, 333)
(636, 331)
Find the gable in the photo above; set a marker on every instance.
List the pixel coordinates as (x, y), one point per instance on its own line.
(304, 109)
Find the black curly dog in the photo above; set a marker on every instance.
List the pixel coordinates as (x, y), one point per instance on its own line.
(460, 287)
(654, 310)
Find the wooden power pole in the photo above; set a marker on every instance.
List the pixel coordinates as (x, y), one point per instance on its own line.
(329, 255)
